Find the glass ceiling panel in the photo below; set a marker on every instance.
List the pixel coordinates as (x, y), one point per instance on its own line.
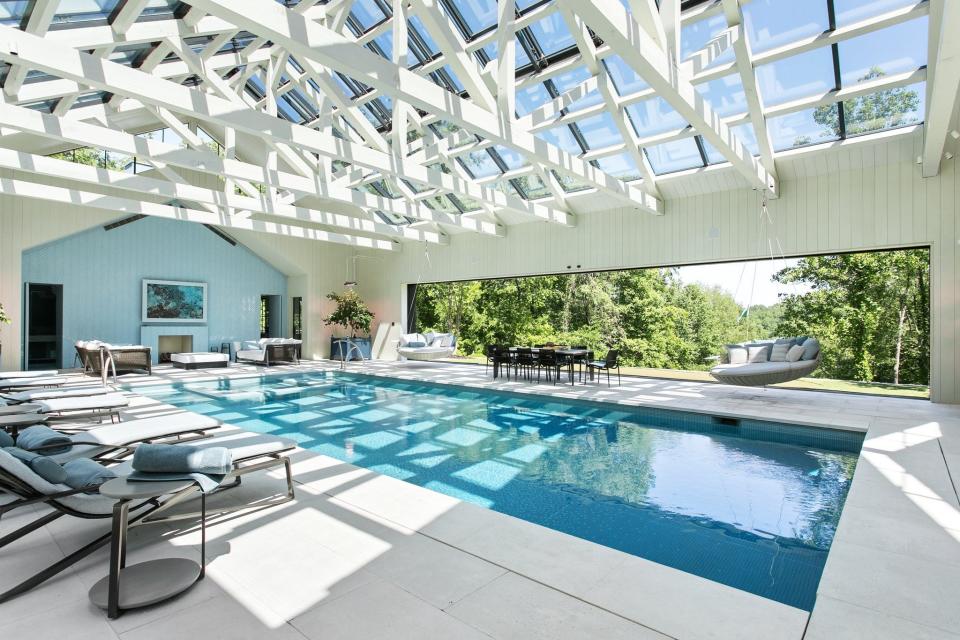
(724, 95)
(798, 76)
(569, 183)
(625, 80)
(531, 186)
(511, 158)
(367, 13)
(695, 36)
(12, 12)
(713, 156)
(620, 166)
(562, 138)
(552, 34)
(811, 126)
(674, 156)
(529, 98)
(522, 59)
(852, 11)
(480, 164)
(748, 137)
(893, 50)
(774, 23)
(600, 131)
(477, 14)
(886, 109)
(654, 116)
(84, 10)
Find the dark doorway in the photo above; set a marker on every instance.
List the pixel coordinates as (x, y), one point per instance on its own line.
(298, 318)
(270, 317)
(44, 326)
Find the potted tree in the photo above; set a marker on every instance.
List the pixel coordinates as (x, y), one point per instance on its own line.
(352, 314)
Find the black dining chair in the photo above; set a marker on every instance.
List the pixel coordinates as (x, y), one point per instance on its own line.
(502, 361)
(549, 362)
(584, 359)
(489, 351)
(608, 363)
(526, 361)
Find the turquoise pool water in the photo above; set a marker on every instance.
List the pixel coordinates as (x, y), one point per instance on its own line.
(748, 504)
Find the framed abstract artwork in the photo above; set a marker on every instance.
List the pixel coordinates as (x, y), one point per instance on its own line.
(174, 301)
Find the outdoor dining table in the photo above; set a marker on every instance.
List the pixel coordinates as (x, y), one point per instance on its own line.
(570, 354)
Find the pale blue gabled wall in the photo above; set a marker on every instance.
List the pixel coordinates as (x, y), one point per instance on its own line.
(101, 273)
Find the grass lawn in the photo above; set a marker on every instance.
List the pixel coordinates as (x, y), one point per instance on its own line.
(816, 384)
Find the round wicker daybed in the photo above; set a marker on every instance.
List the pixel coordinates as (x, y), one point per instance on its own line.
(759, 374)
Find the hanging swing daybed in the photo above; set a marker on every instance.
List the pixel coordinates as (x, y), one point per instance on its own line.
(427, 347)
(757, 364)
(764, 362)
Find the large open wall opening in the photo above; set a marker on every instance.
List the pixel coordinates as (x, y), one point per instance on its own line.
(869, 310)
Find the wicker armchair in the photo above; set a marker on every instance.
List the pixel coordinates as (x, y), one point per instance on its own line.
(96, 356)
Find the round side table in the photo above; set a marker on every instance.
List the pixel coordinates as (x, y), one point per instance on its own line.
(146, 583)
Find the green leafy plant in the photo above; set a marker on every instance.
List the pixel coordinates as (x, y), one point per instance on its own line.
(351, 312)
(4, 318)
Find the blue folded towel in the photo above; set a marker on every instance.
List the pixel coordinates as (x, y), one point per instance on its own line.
(40, 465)
(43, 438)
(181, 458)
(84, 472)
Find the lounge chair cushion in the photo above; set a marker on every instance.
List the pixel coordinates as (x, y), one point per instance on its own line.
(758, 353)
(110, 436)
(90, 403)
(6, 440)
(41, 465)
(415, 345)
(811, 348)
(41, 436)
(795, 353)
(84, 472)
(68, 392)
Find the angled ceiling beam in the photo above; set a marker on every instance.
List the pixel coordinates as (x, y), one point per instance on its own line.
(41, 14)
(78, 197)
(144, 186)
(943, 80)
(454, 51)
(17, 47)
(159, 153)
(126, 15)
(748, 77)
(308, 40)
(611, 22)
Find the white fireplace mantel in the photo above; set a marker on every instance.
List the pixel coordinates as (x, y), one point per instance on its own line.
(150, 333)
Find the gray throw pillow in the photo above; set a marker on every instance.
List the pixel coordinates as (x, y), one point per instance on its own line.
(758, 353)
(779, 351)
(811, 348)
(736, 354)
(795, 353)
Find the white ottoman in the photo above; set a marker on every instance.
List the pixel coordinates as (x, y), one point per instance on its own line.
(200, 360)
